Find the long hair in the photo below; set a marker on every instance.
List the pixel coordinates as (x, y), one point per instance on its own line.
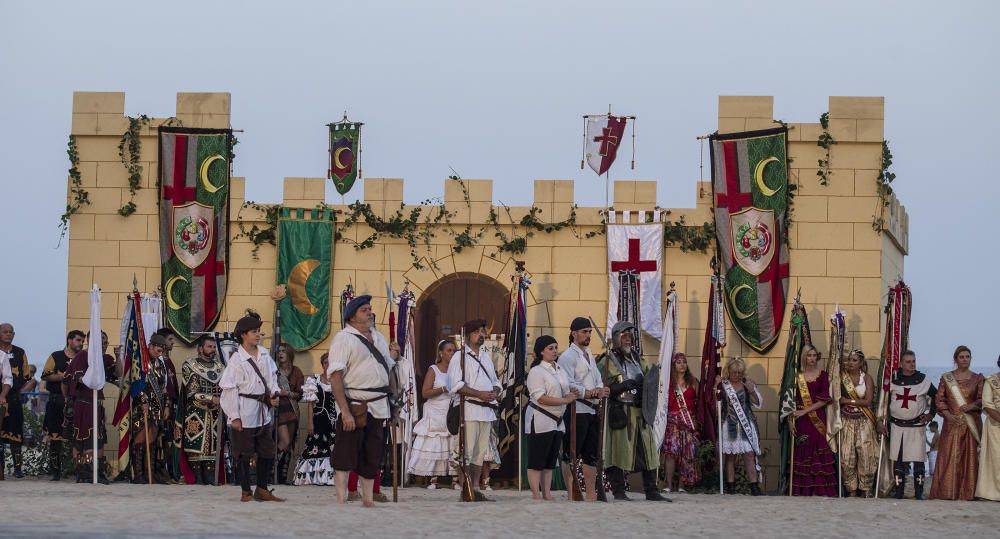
(689, 378)
(735, 364)
(805, 351)
(289, 353)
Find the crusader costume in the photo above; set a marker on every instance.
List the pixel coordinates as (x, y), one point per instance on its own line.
(630, 441)
(200, 436)
(15, 375)
(910, 397)
(155, 397)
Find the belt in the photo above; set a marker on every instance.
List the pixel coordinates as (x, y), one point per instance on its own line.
(915, 422)
(384, 390)
(587, 403)
(546, 413)
(260, 397)
(493, 407)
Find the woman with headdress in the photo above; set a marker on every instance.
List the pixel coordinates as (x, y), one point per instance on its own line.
(321, 413)
(740, 434)
(858, 442)
(959, 400)
(814, 471)
(432, 443)
(681, 437)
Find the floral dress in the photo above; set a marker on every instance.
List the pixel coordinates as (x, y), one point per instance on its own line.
(314, 466)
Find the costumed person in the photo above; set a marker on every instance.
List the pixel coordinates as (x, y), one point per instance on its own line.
(12, 412)
(321, 415)
(680, 441)
(359, 376)
(200, 376)
(249, 393)
(988, 482)
(433, 445)
(550, 394)
(814, 471)
(630, 445)
(290, 380)
(959, 400)
(858, 441)
(81, 434)
(54, 374)
(148, 417)
(480, 387)
(166, 468)
(584, 376)
(911, 408)
(934, 443)
(740, 435)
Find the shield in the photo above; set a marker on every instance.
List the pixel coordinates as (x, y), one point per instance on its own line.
(752, 233)
(651, 394)
(191, 233)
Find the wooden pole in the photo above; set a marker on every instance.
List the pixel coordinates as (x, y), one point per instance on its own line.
(145, 430)
(575, 493)
(718, 436)
(467, 495)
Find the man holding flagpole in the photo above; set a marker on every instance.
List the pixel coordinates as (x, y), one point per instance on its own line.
(85, 376)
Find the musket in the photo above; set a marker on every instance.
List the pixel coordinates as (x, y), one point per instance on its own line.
(575, 493)
(467, 495)
(602, 415)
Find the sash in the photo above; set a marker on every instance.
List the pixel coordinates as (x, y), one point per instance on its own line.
(994, 382)
(852, 392)
(807, 402)
(956, 393)
(741, 415)
(682, 406)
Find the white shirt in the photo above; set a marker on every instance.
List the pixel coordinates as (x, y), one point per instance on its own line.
(479, 375)
(550, 380)
(239, 377)
(6, 376)
(583, 374)
(360, 368)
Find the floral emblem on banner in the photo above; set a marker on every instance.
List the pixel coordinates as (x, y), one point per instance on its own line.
(753, 240)
(192, 233)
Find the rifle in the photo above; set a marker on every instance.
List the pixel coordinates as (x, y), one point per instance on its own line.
(602, 418)
(467, 495)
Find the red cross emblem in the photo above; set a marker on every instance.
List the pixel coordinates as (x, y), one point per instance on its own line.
(607, 140)
(906, 397)
(634, 261)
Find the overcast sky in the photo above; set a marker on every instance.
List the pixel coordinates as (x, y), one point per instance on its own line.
(496, 91)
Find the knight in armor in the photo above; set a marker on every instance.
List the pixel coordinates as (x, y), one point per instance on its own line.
(911, 408)
(200, 376)
(15, 365)
(54, 374)
(150, 409)
(630, 441)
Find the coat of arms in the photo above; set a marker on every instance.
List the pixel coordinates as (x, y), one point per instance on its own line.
(752, 233)
(191, 233)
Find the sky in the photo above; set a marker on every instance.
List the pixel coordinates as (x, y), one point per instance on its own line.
(495, 90)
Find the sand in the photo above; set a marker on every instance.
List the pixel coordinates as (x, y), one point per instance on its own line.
(38, 508)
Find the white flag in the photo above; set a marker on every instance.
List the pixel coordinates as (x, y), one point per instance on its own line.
(638, 248)
(94, 377)
(668, 345)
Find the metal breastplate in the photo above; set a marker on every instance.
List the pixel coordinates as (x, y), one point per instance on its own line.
(630, 371)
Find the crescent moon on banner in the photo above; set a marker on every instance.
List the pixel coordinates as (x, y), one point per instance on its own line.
(336, 158)
(204, 173)
(758, 175)
(732, 301)
(297, 285)
(168, 290)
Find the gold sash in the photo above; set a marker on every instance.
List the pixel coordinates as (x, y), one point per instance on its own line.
(956, 393)
(807, 402)
(994, 382)
(852, 392)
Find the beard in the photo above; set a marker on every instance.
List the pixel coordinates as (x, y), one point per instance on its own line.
(626, 349)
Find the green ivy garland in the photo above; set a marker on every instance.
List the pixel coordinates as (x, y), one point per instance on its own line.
(129, 149)
(516, 243)
(690, 238)
(259, 235)
(78, 195)
(825, 141)
(883, 185)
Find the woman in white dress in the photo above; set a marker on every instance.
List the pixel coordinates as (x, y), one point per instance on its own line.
(433, 444)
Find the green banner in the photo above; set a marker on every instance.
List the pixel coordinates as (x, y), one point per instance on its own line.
(345, 154)
(305, 263)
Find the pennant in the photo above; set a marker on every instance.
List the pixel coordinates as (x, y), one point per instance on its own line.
(603, 137)
(345, 154)
(194, 226)
(838, 338)
(305, 262)
(798, 337)
(406, 335)
(512, 377)
(135, 360)
(94, 377)
(668, 346)
(637, 249)
(715, 331)
(750, 182)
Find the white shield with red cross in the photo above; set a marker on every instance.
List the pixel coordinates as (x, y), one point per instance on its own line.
(639, 248)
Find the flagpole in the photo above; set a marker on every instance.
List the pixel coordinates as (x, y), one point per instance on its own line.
(718, 437)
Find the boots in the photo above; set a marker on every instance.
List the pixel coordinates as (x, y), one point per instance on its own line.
(755, 489)
(138, 463)
(900, 486)
(82, 465)
(649, 487)
(55, 460)
(15, 453)
(730, 488)
(617, 478)
(918, 487)
(3, 462)
(283, 458)
(102, 476)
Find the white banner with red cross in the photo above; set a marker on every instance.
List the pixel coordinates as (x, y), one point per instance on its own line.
(639, 248)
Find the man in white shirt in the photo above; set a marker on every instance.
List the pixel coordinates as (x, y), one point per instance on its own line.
(585, 378)
(477, 381)
(249, 393)
(359, 375)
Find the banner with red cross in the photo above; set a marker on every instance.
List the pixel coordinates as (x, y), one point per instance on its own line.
(603, 137)
(637, 248)
(194, 175)
(750, 183)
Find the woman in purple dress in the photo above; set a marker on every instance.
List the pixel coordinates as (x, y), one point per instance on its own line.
(814, 471)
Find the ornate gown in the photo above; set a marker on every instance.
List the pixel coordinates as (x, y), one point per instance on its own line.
(200, 377)
(681, 438)
(859, 455)
(988, 483)
(957, 463)
(814, 471)
(314, 466)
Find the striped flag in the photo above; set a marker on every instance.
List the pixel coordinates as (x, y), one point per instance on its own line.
(136, 364)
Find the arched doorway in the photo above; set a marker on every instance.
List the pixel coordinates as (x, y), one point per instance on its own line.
(447, 303)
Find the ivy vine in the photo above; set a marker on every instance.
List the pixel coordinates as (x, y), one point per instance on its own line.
(78, 195)
(883, 185)
(825, 141)
(690, 238)
(517, 242)
(129, 150)
(257, 234)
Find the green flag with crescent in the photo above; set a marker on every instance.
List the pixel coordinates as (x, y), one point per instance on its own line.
(345, 154)
(305, 262)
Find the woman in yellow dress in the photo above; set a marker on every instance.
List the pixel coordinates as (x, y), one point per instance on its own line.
(988, 485)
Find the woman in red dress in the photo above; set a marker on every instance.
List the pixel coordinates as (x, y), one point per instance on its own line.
(814, 471)
(681, 438)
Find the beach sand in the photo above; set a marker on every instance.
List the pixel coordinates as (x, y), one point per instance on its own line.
(38, 508)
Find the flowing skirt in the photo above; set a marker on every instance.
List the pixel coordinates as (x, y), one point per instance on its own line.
(815, 471)
(680, 442)
(314, 466)
(433, 445)
(957, 463)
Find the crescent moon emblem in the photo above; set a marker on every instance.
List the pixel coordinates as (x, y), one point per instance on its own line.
(169, 292)
(297, 285)
(732, 301)
(758, 175)
(204, 173)
(336, 157)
